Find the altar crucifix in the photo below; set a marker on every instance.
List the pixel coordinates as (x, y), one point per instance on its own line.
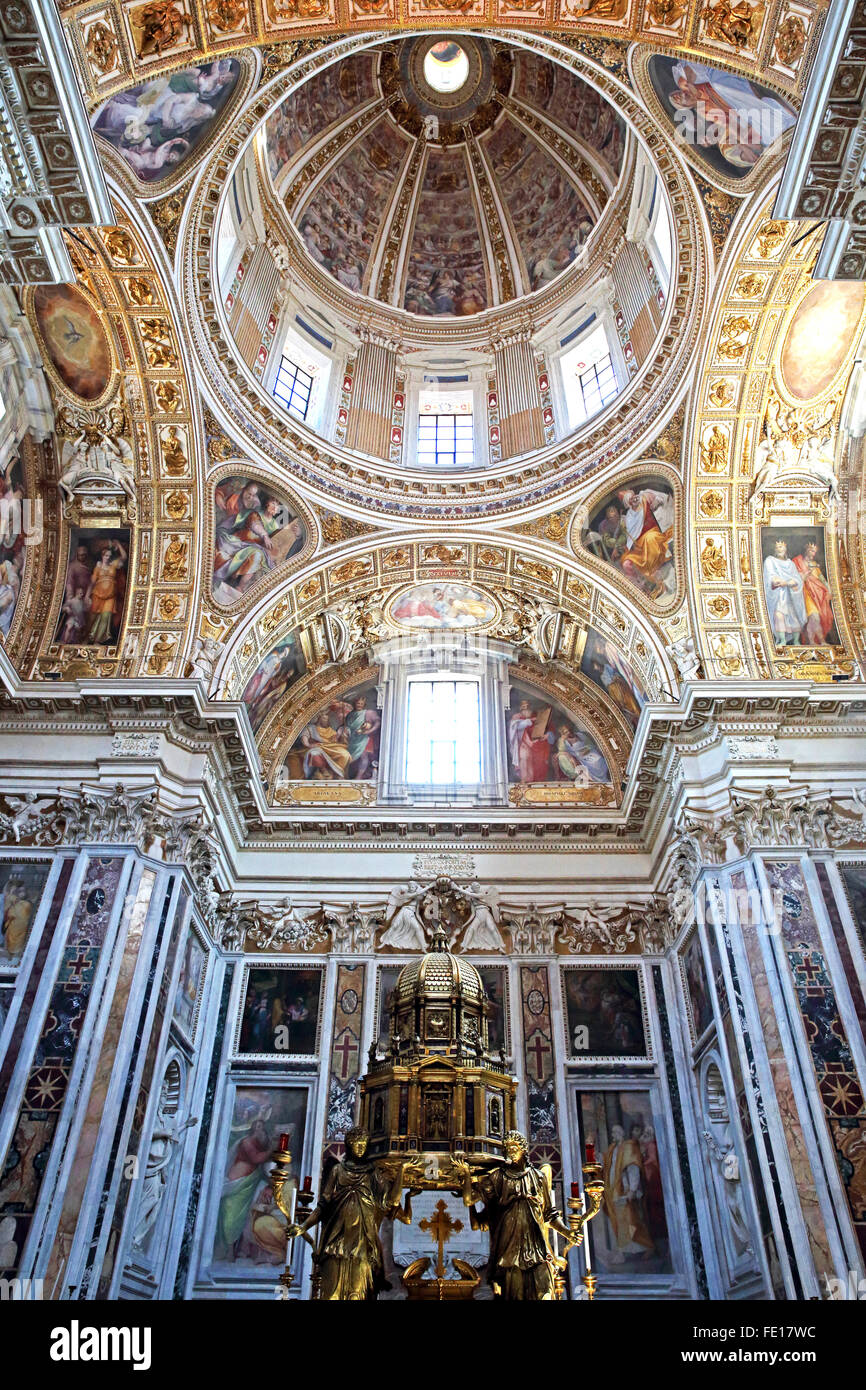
(441, 1228)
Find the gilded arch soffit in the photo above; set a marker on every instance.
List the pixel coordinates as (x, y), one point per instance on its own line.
(299, 707)
(737, 395)
(366, 577)
(121, 274)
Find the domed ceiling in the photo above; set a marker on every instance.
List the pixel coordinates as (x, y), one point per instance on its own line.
(443, 176)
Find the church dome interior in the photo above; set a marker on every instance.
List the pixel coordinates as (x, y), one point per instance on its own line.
(432, 642)
(497, 208)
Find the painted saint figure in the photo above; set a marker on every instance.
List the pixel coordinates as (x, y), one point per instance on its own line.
(624, 1195)
(649, 527)
(817, 597)
(105, 593)
(783, 590)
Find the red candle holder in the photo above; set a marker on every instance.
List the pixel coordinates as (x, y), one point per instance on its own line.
(575, 1189)
(308, 1183)
(284, 1143)
(590, 1153)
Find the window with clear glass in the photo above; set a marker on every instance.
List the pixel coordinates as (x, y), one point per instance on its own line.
(446, 436)
(292, 388)
(443, 734)
(597, 385)
(660, 243)
(588, 377)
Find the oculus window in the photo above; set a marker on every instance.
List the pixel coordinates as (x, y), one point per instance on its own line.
(445, 430)
(443, 743)
(446, 66)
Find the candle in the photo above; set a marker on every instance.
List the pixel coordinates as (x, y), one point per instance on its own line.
(590, 1153)
(284, 1143)
(308, 1183)
(575, 1189)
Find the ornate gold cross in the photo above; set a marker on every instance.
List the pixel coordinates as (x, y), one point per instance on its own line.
(441, 1228)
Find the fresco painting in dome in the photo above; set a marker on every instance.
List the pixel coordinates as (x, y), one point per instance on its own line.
(632, 529)
(550, 219)
(75, 339)
(728, 120)
(339, 224)
(821, 333)
(446, 263)
(546, 743)
(256, 532)
(341, 741)
(609, 670)
(443, 605)
(573, 104)
(316, 105)
(282, 666)
(158, 125)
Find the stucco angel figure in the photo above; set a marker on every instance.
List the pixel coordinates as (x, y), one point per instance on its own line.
(405, 930)
(816, 459)
(204, 659)
(28, 814)
(481, 932)
(97, 458)
(769, 464)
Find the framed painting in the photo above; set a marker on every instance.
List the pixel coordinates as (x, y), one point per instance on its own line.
(94, 590)
(695, 987)
(548, 744)
(75, 339)
(726, 121)
(158, 126)
(250, 1231)
(797, 589)
(605, 1013)
(633, 529)
(257, 531)
(386, 979)
(341, 740)
(630, 1234)
(22, 883)
(495, 981)
(190, 983)
(281, 1012)
(441, 606)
